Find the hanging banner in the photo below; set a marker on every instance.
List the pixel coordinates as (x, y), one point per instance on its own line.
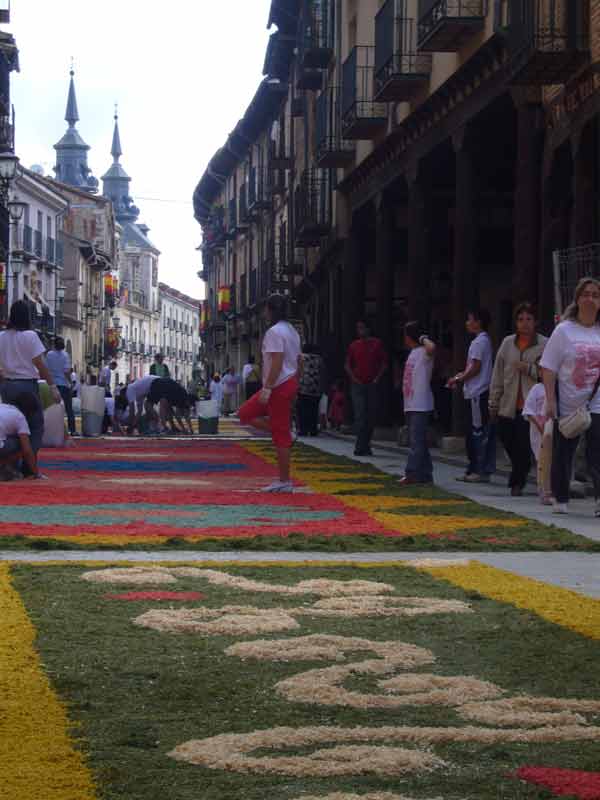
(203, 317)
(224, 298)
(111, 342)
(2, 277)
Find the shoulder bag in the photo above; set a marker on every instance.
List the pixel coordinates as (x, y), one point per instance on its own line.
(578, 422)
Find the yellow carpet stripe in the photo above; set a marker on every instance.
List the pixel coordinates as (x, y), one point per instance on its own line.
(37, 756)
(560, 606)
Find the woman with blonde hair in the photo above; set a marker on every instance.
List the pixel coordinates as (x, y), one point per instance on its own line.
(571, 363)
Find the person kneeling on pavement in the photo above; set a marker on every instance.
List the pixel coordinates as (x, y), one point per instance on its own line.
(15, 438)
(173, 402)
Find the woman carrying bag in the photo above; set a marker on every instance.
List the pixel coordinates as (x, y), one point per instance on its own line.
(571, 363)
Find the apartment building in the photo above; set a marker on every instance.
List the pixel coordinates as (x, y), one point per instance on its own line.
(179, 338)
(422, 157)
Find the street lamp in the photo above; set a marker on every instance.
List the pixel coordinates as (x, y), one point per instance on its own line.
(9, 167)
(16, 264)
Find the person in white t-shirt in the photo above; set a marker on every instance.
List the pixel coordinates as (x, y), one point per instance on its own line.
(476, 379)
(230, 382)
(21, 366)
(136, 394)
(15, 437)
(271, 409)
(418, 403)
(540, 439)
(216, 392)
(571, 363)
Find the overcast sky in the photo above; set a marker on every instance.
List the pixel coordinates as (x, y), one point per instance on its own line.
(183, 73)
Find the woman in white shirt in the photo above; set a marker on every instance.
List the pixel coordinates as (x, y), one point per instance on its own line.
(571, 363)
(271, 408)
(22, 365)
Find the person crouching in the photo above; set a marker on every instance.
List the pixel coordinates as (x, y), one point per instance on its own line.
(15, 437)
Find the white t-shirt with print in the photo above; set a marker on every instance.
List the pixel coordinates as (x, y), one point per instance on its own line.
(281, 338)
(573, 353)
(480, 350)
(137, 390)
(416, 382)
(17, 349)
(535, 409)
(12, 422)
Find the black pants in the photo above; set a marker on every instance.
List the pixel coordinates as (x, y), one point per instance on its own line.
(67, 396)
(563, 451)
(514, 435)
(308, 415)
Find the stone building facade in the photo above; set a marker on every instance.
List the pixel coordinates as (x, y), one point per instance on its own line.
(179, 336)
(425, 157)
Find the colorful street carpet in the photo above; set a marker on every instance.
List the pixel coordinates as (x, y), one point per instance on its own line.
(182, 493)
(427, 681)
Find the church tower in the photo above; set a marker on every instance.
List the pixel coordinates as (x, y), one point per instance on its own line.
(72, 152)
(116, 183)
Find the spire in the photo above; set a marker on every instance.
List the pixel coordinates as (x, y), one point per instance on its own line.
(72, 114)
(115, 150)
(71, 151)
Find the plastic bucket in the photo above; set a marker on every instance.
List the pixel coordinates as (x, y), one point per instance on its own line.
(92, 410)
(207, 409)
(208, 425)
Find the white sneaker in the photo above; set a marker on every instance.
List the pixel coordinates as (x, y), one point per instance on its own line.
(279, 486)
(560, 508)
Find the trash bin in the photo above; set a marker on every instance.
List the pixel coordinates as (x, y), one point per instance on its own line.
(208, 416)
(92, 410)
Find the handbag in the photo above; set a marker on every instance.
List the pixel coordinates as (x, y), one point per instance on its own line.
(578, 422)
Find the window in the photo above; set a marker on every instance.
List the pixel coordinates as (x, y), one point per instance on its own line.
(49, 227)
(40, 221)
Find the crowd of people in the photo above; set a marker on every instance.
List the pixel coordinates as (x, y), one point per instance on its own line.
(538, 396)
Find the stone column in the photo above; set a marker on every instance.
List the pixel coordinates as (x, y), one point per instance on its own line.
(384, 323)
(419, 268)
(527, 211)
(465, 290)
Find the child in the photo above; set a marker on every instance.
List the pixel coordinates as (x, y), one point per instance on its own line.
(540, 436)
(337, 406)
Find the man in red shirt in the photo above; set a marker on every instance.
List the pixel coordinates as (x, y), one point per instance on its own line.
(366, 362)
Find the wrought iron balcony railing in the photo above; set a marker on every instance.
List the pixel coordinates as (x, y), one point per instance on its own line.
(315, 43)
(547, 40)
(312, 206)
(445, 25)
(362, 117)
(332, 151)
(260, 196)
(400, 70)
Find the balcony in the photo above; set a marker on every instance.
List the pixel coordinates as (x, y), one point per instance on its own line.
(38, 244)
(213, 230)
(28, 239)
(332, 151)
(50, 250)
(316, 42)
(243, 213)
(400, 70)
(362, 117)
(312, 205)
(259, 190)
(232, 217)
(445, 25)
(547, 41)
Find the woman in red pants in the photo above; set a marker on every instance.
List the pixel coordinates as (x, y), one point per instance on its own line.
(271, 408)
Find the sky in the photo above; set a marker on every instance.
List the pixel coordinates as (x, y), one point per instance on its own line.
(182, 72)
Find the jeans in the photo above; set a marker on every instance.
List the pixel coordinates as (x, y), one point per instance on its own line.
(308, 415)
(364, 403)
(481, 437)
(514, 435)
(419, 466)
(228, 404)
(67, 395)
(10, 390)
(563, 451)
